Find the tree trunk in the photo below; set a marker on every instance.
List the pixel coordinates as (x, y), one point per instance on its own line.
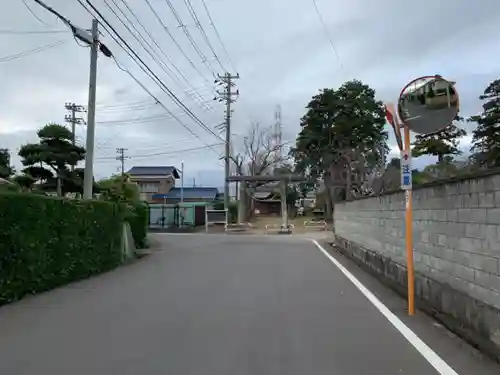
(330, 197)
(348, 183)
(58, 185)
(440, 158)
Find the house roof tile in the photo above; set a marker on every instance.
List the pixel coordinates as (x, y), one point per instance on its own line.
(154, 171)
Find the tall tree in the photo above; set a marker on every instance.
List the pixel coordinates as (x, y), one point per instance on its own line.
(342, 138)
(49, 160)
(261, 155)
(6, 170)
(441, 144)
(486, 136)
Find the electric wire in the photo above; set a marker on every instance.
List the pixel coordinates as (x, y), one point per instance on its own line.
(150, 48)
(196, 20)
(161, 104)
(136, 120)
(176, 42)
(31, 51)
(126, 104)
(212, 23)
(146, 68)
(194, 91)
(190, 37)
(134, 59)
(35, 15)
(327, 33)
(171, 152)
(30, 32)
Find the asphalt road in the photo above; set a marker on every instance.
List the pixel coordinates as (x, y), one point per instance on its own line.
(221, 305)
(428, 120)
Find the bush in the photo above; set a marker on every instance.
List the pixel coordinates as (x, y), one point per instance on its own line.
(138, 219)
(46, 242)
(232, 210)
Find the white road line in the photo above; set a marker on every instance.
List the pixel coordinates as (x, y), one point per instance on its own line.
(412, 118)
(434, 360)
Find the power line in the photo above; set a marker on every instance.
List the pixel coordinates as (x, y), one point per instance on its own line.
(34, 14)
(31, 51)
(327, 33)
(148, 72)
(145, 67)
(126, 108)
(126, 104)
(31, 32)
(150, 48)
(190, 37)
(196, 20)
(159, 102)
(136, 120)
(212, 23)
(158, 18)
(172, 152)
(146, 147)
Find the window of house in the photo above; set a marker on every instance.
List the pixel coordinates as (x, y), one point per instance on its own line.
(148, 187)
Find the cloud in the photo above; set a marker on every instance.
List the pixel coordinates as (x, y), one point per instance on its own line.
(279, 49)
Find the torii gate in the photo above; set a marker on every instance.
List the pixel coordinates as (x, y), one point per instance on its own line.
(283, 179)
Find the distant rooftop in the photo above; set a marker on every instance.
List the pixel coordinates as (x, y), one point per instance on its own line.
(154, 171)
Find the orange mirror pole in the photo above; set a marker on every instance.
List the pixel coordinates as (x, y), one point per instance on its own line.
(409, 226)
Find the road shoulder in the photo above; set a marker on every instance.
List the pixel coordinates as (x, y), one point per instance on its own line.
(460, 355)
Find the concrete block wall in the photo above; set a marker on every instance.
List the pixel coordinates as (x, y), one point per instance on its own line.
(456, 237)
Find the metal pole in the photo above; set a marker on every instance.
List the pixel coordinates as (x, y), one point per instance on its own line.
(89, 152)
(182, 182)
(409, 236)
(228, 140)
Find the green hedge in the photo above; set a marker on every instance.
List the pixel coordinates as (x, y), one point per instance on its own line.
(46, 242)
(138, 219)
(232, 210)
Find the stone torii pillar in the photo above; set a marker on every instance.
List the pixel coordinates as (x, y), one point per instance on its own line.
(283, 179)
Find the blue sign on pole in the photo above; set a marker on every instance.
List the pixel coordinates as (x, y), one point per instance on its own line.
(406, 180)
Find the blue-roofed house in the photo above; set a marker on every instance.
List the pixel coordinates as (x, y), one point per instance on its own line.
(153, 180)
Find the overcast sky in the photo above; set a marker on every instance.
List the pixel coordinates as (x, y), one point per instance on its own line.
(278, 47)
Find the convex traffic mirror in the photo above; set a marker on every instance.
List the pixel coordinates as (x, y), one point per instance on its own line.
(428, 104)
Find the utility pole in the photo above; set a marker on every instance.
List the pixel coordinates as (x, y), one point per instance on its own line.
(227, 95)
(92, 40)
(73, 120)
(89, 150)
(121, 157)
(182, 181)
